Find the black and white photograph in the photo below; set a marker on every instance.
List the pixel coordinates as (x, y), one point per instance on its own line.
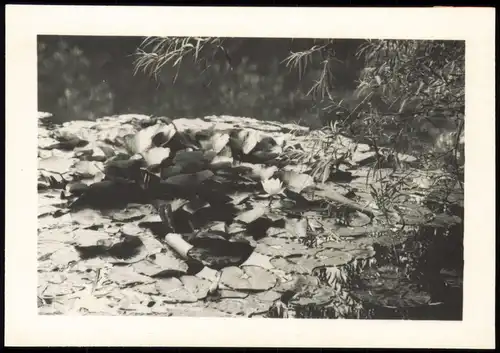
(251, 177)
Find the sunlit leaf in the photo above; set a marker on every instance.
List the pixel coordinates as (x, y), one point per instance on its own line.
(156, 155)
(296, 181)
(248, 278)
(251, 215)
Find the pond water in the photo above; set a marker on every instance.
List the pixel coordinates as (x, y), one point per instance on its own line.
(420, 279)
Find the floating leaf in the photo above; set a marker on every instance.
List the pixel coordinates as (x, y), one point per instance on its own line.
(76, 188)
(259, 260)
(221, 162)
(216, 143)
(156, 135)
(64, 256)
(232, 306)
(355, 232)
(98, 154)
(175, 204)
(168, 260)
(188, 180)
(126, 276)
(257, 172)
(131, 229)
(195, 205)
(235, 228)
(296, 181)
(126, 248)
(266, 155)
(129, 248)
(89, 217)
(55, 164)
(303, 264)
(228, 293)
(332, 257)
(173, 290)
(198, 286)
(85, 237)
(279, 247)
(297, 228)
(88, 169)
(298, 283)
(251, 215)
(239, 198)
(128, 215)
(406, 158)
(219, 253)
(358, 219)
(252, 278)
(156, 155)
(193, 161)
(316, 297)
(147, 268)
(244, 140)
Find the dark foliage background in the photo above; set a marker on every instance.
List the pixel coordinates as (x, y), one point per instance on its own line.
(87, 77)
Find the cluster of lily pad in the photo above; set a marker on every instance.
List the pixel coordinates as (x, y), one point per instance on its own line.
(222, 196)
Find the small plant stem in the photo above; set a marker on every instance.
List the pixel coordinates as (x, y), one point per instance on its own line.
(271, 199)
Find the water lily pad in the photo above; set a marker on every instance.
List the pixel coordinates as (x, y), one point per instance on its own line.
(193, 206)
(156, 135)
(55, 164)
(239, 198)
(188, 180)
(77, 188)
(217, 142)
(296, 228)
(318, 296)
(355, 232)
(235, 228)
(332, 257)
(219, 253)
(252, 278)
(129, 214)
(257, 172)
(266, 155)
(268, 296)
(89, 217)
(231, 306)
(251, 215)
(85, 237)
(131, 229)
(198, 286)
(228, 293)
(167, 260)
(63, 257)
(245, 140)
(221, 162)
(297, 283)
(358, 219)
(296, 264)
(125, 276)
(279, 247)
(173, 290)
(146, 267)
(156, 155)
(296, 181)
(88, 169)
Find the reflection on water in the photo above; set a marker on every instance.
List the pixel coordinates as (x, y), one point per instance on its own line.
(422, 279)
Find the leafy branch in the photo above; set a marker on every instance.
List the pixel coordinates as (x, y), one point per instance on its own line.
(156, 52)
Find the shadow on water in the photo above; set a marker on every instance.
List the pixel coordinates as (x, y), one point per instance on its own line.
(420, 279)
